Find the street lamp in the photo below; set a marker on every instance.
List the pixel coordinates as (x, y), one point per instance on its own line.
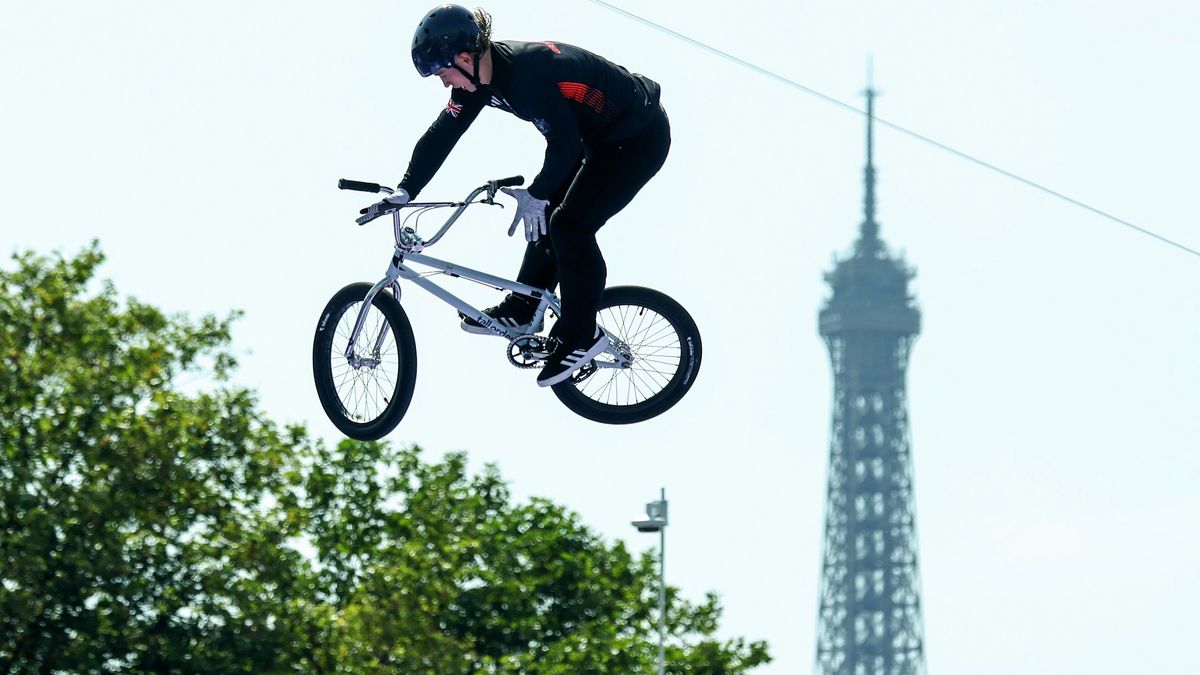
(655, 520)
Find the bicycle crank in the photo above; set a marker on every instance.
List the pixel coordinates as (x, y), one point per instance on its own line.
(529, 351)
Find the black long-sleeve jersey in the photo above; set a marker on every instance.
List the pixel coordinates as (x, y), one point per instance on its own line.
(575, 99)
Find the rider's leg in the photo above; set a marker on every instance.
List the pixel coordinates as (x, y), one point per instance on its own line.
(608, 181)
(539, 267)
(611, 176)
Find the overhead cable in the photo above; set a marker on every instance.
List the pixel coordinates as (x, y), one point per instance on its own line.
(925, 139)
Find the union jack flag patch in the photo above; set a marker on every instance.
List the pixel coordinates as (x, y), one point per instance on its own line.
(453, 108)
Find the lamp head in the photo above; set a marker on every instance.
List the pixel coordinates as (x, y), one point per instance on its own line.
(655, 518)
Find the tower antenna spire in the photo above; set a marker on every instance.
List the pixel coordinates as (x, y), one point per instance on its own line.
(870, 228)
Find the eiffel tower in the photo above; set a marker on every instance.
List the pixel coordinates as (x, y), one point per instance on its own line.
(869, 621)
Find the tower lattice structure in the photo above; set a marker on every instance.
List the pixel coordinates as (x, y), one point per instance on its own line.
(870, 619)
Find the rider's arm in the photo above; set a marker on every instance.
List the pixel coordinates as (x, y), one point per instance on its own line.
(563, 143)
(433, 148)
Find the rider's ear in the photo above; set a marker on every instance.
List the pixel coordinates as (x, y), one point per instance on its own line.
(465, 59)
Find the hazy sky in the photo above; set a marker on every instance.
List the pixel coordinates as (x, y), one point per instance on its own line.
(1053, 390)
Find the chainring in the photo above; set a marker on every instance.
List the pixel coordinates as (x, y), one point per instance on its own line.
(528, 351)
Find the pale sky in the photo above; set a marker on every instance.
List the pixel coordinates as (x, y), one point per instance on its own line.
(1053, 390)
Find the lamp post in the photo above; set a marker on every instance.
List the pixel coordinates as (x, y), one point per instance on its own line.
(655, 520)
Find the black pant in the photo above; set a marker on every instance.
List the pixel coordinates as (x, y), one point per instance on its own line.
(606, 179)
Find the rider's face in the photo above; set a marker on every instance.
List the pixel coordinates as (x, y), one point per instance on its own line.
(451, 77)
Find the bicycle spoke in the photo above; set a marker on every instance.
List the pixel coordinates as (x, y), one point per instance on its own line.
(364, 391)
(656, 357)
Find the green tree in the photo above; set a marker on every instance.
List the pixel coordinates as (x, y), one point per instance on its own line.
(432, 570)
(131, 530)
(144, 529)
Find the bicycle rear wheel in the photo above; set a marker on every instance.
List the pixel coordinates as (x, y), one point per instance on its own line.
(366, 395)
(664, 345)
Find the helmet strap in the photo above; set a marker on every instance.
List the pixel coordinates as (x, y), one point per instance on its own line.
(472, 77)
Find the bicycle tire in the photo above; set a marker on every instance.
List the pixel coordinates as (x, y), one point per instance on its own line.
(666, 349)
(368, 401)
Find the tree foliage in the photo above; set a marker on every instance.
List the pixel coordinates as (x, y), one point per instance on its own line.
(147, 529)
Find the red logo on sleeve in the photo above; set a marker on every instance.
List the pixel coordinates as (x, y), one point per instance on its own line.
(581, 93)
(453, 108)
(553, 47)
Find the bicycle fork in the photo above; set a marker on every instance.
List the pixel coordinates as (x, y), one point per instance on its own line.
(389, 279)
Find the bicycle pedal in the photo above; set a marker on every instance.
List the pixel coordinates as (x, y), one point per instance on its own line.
(584, 372)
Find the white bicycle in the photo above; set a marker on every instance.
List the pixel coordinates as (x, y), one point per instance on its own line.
(365, 357)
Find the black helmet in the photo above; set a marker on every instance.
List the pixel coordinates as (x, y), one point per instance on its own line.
(445, 32)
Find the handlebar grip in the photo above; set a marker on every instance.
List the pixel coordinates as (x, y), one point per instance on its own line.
(345, 184)
(509, 182)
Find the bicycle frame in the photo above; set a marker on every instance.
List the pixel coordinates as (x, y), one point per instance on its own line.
(408, 247)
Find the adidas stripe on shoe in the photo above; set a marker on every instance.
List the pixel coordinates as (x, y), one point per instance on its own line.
(568, 358)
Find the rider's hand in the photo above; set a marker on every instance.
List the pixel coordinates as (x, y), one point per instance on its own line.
(390, 203)
(399, 197)
(530, 209)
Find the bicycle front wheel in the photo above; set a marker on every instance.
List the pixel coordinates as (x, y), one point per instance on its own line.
(662, 344)
(366, 393)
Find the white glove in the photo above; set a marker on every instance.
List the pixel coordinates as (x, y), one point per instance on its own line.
(530, 209)
(399, 197)
(390, 203)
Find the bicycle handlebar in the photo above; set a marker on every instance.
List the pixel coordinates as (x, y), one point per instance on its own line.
(347, 184)
(508, 182)
(408, 234)
(363, 186)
